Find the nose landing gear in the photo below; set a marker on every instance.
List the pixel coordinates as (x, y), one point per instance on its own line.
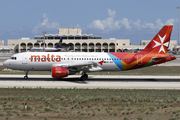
(26, 75)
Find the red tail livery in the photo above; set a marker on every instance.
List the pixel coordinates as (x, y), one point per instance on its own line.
(160, 42)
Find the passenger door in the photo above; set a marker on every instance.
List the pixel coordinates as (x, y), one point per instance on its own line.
(139, 59)
(24, 58)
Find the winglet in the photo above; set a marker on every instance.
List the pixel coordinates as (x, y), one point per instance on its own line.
(101, 62)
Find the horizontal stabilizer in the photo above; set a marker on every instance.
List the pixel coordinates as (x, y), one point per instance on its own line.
(159, 58)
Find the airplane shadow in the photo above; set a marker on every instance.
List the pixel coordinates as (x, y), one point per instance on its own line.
(77, 79)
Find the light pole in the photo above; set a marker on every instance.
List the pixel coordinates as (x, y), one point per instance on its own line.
(178, 25)
(44, 33)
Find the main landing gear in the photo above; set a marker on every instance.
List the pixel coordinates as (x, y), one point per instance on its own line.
(26, 75)
(84, 76)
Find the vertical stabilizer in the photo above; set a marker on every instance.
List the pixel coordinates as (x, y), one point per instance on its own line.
(59, 45)
(160, 43)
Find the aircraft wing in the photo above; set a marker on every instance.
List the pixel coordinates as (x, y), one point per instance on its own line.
(53, 50)
(86, 66)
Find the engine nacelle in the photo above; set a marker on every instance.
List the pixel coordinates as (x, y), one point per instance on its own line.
(59, 72)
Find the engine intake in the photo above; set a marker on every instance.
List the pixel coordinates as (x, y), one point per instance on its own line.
(59, 72)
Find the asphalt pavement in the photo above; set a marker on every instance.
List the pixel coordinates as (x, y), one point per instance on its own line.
(94, 81)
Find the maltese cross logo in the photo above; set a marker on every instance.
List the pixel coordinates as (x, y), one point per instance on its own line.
(162, 44)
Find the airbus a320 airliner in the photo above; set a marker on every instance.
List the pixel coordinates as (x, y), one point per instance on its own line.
(62, 64)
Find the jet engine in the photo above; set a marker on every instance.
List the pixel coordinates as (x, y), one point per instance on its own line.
(59, 72)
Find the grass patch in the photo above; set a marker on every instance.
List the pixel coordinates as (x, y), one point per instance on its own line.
(84, 103)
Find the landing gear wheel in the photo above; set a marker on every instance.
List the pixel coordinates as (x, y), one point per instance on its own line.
(25, 77)
(84, 77)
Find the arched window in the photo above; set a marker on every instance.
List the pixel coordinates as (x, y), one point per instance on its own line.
(36, 45)
(50, 45)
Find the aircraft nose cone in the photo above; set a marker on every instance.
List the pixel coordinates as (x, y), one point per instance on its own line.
(5, 63)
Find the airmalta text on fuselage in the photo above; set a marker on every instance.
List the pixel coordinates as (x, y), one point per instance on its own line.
(46, 58)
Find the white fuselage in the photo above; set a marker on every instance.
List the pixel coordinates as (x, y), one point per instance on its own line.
(43, 61)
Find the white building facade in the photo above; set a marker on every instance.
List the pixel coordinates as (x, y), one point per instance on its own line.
(78, 42)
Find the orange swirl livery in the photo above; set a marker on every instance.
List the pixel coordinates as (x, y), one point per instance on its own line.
(63, 64)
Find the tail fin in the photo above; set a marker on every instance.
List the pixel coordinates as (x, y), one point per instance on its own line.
(60, 44)
(160, 42)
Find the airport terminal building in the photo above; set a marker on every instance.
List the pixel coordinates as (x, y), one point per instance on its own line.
(77, 42)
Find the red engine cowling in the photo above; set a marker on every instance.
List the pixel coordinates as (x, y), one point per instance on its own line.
(59, 72)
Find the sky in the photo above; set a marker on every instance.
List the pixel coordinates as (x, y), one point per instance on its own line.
(127, 19)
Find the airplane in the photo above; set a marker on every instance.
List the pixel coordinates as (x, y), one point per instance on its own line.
(62, 64)
(57, 48)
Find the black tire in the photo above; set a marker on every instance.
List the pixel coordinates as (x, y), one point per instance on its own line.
(86, 76)
(83, 77)
(25, 77)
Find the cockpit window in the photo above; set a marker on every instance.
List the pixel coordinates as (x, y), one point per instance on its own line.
(13, 58)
